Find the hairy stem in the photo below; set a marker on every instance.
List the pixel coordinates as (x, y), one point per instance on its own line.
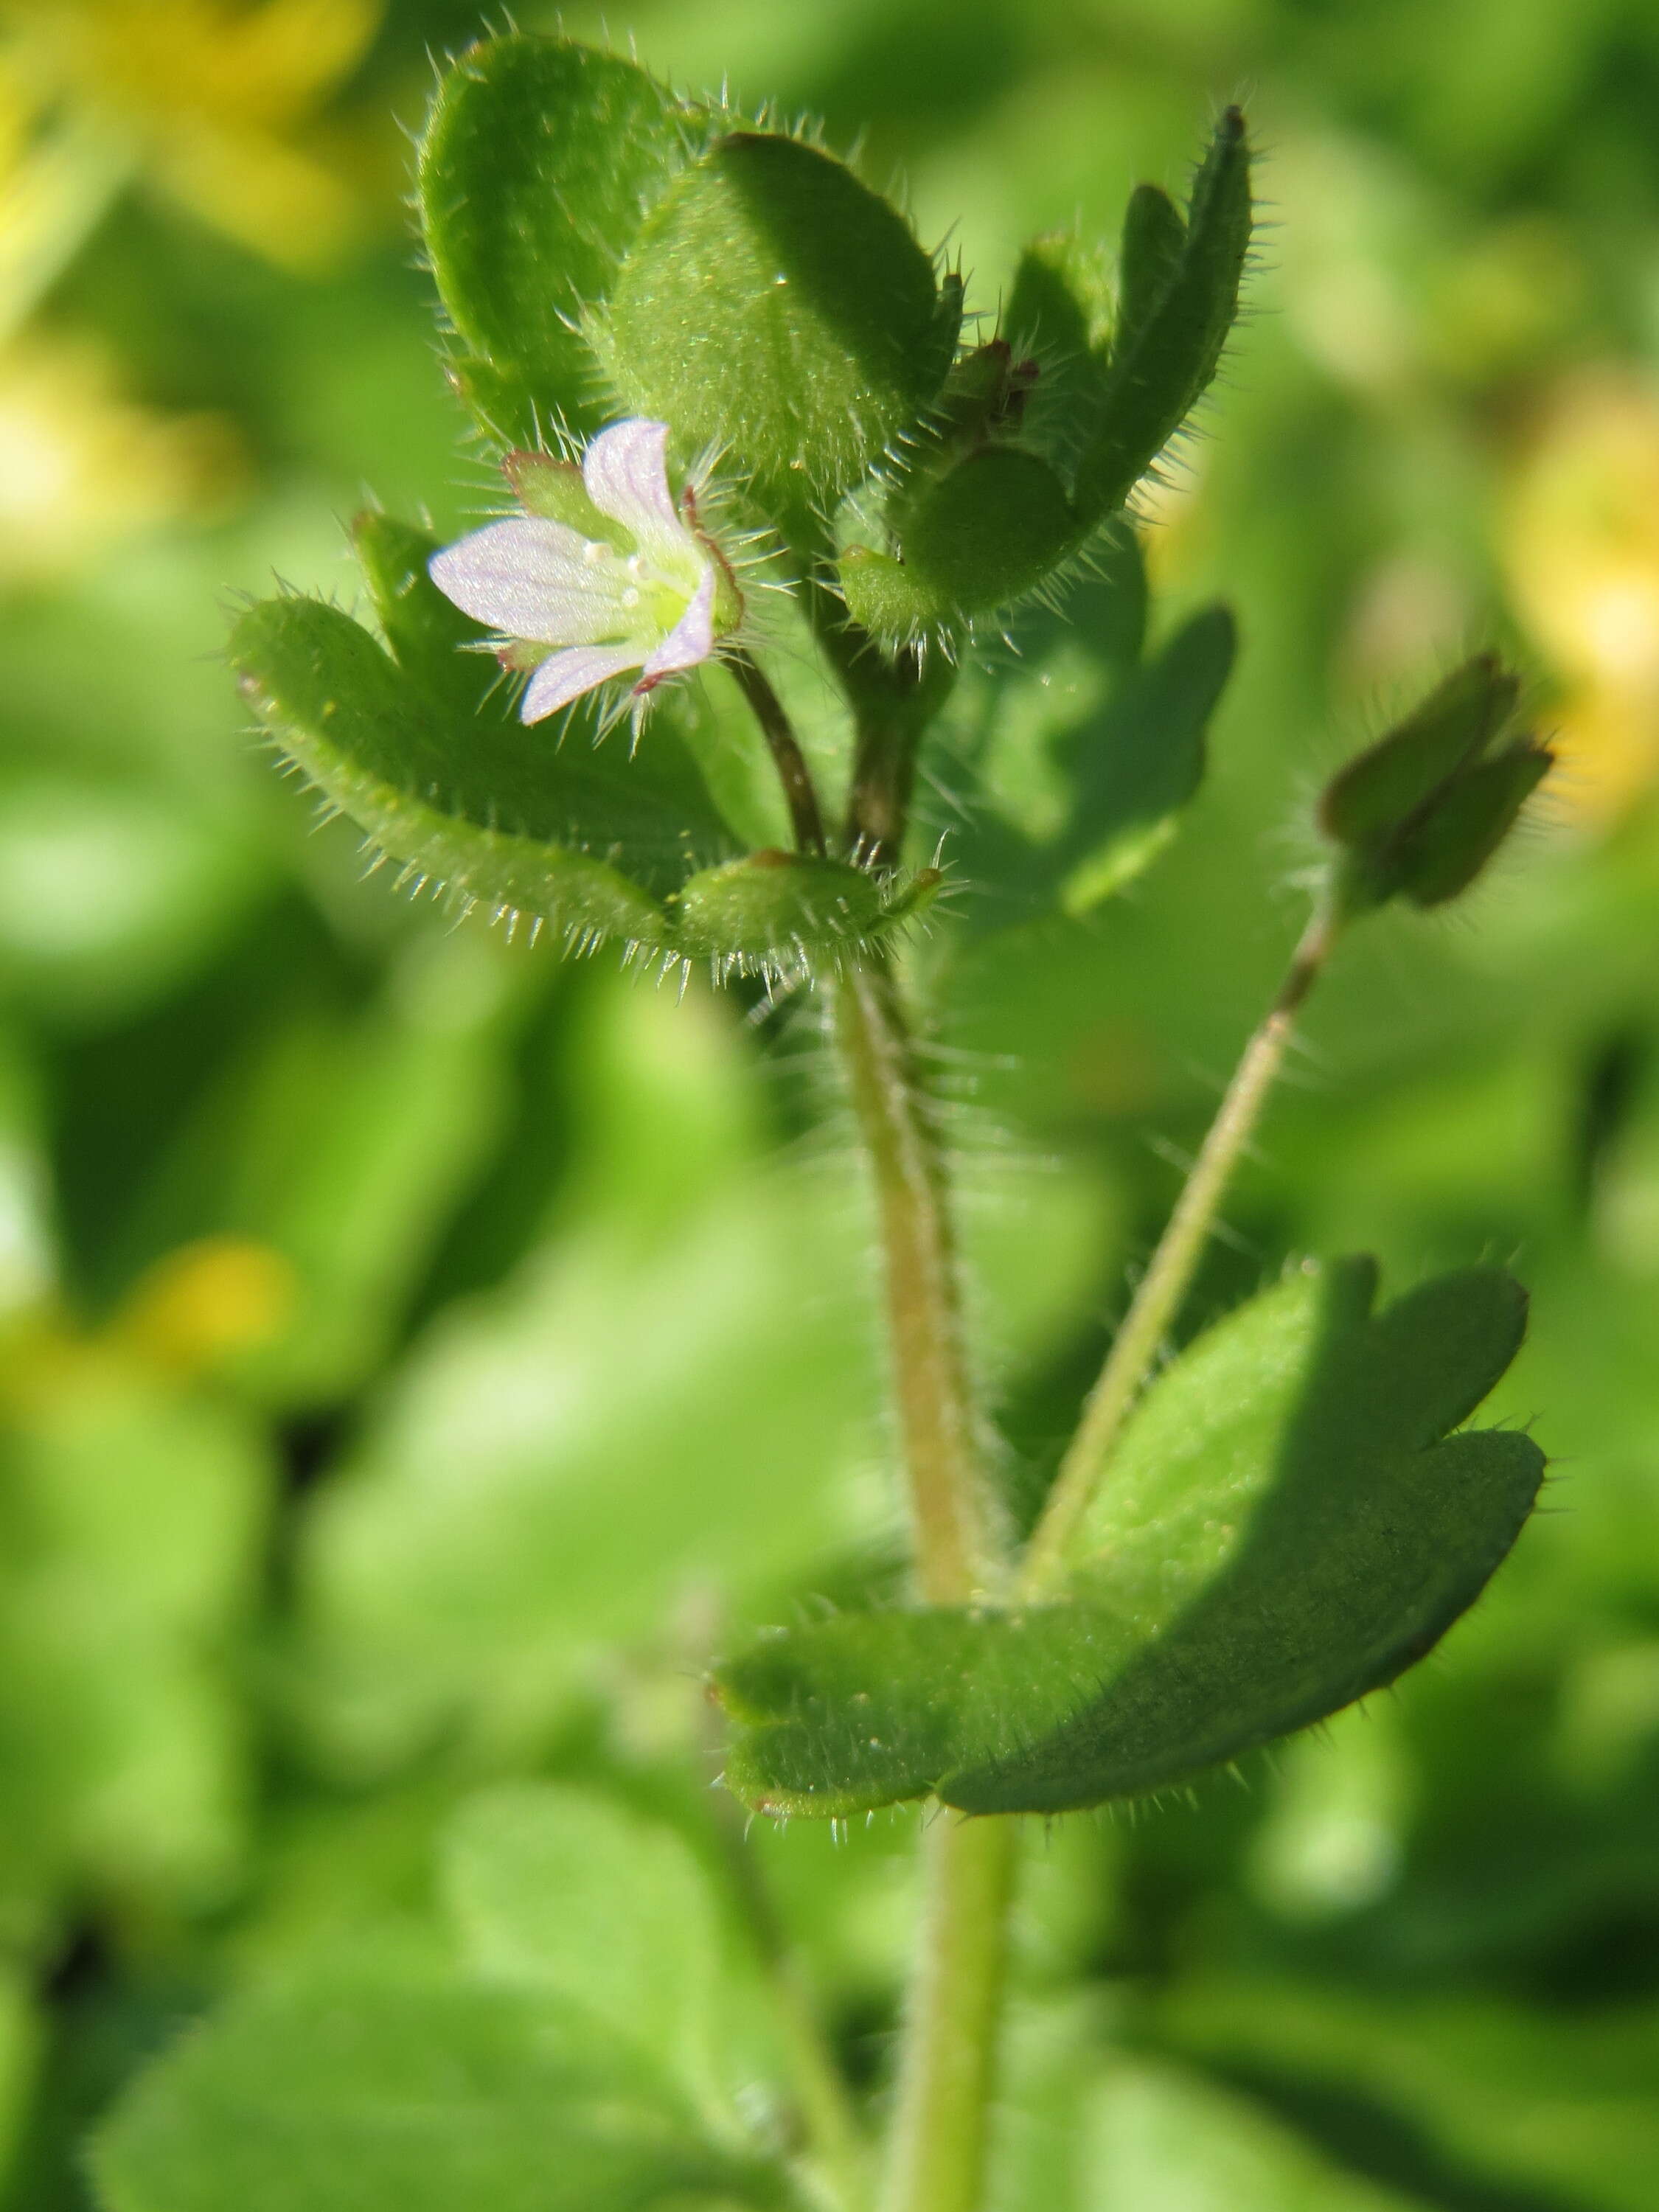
(938, 2145)
(936, 2162)
(1168, 1278)
(937, 2151)
(938, 1425)
(799, 792)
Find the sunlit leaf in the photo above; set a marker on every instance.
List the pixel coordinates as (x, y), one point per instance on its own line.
(774, 306)
(539, 162)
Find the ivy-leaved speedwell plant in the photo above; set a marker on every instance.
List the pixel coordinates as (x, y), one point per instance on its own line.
(743, 423)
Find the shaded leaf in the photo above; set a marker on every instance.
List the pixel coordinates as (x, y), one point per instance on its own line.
(1088, 755)
(1285, 1525)
(1502, 2104)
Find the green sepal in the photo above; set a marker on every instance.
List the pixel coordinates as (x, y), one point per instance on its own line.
(775, 309)
(1419, 813)
(1176, 306)
(539, 158)
(981, 535)
(431, 640)
(1287, 1524)
(1153, 240)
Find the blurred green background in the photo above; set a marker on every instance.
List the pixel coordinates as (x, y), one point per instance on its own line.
(414, 1353)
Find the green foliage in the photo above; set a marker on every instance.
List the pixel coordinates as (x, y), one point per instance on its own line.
(1287, 1526)
(1082, 753)
(1178, 281)
(775, 309)
(539, 160)
(1150, 2130)
(571, 1379)
(977, 529)
(982, 534)
(519, 1500)
(421, 746)
(561, 1890)
(132, 1517)
(351, 2092)
(1553, 2107)
(1419, 813)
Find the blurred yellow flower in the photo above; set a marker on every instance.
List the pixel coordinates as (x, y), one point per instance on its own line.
(204, 1303)
(1579, 538)
(84, 467)
(205, 97)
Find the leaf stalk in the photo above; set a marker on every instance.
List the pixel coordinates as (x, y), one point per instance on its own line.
(1158, 1300)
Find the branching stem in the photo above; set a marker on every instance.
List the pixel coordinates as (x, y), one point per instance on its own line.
(1169, 1276)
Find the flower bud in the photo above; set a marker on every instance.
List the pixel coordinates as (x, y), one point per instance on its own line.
(1419, 813)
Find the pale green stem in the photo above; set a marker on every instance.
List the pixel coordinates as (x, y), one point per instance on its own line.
(938, 2148)
(936, 2159)
(956, 1552)
(1157, 1301)
(937, 2152)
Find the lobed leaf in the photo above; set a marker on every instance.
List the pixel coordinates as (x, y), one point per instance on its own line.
(421, 746)
(1287, 1525)
(1177, 302)
(539, 162)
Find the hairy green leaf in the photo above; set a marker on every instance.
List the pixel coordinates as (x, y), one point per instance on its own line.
(1178, 298)
(1287, 1525)
(410, 2094)
(539, 162)
(422, 747)
(774, 306)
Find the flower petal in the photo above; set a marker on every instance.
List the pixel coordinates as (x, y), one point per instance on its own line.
(534, 578)
(626, 472)
(689, 641)
(565, 676)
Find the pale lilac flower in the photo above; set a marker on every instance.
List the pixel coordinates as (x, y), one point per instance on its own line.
(653, 594)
